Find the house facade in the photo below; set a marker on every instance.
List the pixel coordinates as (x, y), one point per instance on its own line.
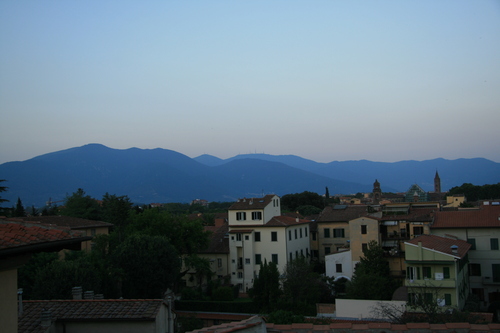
(258, 233)
(437, 271)
(481, 228)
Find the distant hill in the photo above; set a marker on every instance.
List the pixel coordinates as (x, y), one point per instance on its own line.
(162, 175)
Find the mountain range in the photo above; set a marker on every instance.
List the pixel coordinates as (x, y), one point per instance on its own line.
(162, 175)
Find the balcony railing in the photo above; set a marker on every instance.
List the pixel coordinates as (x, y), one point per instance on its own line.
(489, 281)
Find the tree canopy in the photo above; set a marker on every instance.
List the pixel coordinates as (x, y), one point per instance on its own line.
(372, 278)
(476, 192)
(292, 202)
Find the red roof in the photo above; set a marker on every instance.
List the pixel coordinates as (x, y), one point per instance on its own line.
(88, 310)
(66, 221)
(442, 244)
(252, 203)
(285, 221)
(18, 236)
(484, 217)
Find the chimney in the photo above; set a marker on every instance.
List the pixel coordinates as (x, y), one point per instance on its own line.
(46, 320)
(454, 249)
(77, 293)
(20, 302)
(297, 219)
(88, 295)
(98, 296)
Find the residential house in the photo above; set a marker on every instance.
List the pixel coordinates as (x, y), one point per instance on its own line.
(259, 233)
(90, 228)
(480, 227)
(97, 316)
(18, 241)
(437, 271)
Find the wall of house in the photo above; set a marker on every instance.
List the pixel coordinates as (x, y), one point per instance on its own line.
(300, 245)
(342, 258)
(331, 242)
(87, 246)
(358, 239)
(363, 309)
(8, 300)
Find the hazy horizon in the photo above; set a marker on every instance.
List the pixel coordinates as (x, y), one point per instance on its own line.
(324, 80)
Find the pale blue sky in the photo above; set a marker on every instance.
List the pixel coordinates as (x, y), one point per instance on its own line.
(325, 80)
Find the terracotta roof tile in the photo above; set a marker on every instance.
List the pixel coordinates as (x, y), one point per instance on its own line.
(252, 203)
(15, 235)
(63, 221)
(87, 310)
(484, 217)
(219, 243)
(442, 244)
(285, 221)
(341, 213)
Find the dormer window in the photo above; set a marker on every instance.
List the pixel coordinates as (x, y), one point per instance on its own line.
(241, 216)
(256, 216)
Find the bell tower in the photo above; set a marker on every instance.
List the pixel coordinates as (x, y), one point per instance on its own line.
(437, 183)
(377, 192)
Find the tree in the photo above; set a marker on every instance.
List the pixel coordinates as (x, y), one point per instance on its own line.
(292, 201)
(475, 192)
(372, 278)
(3, 189)
(266, 287)
(18, 211)
(82, 206)
(300, 297)
(150, 266)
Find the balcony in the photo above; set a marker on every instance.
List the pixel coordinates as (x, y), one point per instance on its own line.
(431, 283)
(489, 281)
(395, 236)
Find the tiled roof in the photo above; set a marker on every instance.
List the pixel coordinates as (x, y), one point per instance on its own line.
(484, 217)
(342, 213)
(284, 221)
(219, 243)
(442, 244)
(65, 221)
(87, 310)
(252, 203)
(415, 215)
(247, 324)
(19, 237)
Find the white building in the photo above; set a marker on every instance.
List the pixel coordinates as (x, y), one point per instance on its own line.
(259, 233)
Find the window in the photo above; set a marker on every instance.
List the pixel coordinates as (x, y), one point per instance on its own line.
(413, 273)
(295, 233)
(300, 232)
(291, 256)
(256, 216)
(240, 275)
(274, 236)
(326, 233)
(238, 237)
(307, 251)
(338, 233)
(313, 236)
(241, 216)
(327, 250)
(447, 299)
(289, 234)
(472, 241)
(446, 272)
(92, 231)
(426, 272)
(219, 262)
(296, 253)
(274, 258)
(364, 247)
(474, 269)
(257, 236)
(247, 261)
(363, 229)
(301, 252)
(418, 231)
(338, 268)
(305, 231)
(495, 269)
(258, 259)
(247, 237)
(494, 243)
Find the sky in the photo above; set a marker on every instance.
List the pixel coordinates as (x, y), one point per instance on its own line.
(325, 80)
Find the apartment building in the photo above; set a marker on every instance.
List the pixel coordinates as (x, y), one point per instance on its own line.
(258, 233)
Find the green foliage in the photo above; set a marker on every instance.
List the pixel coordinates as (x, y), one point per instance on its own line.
(283, 317)
(266, 287)
(309, 210)
(300, 297)
(82, 206)
(371, 278)
(188, 324)
(150, 265)
(223, 294)
(27, 273)
(116, 209)
(3, 189)
(475, 192)
(18, 211)
(292, 202)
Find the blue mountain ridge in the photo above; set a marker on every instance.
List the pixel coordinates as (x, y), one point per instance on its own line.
(162, 175)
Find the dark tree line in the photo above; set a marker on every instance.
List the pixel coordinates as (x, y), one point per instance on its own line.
(477, 192)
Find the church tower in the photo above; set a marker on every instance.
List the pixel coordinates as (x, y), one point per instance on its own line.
(377, 192)
(437, 183)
